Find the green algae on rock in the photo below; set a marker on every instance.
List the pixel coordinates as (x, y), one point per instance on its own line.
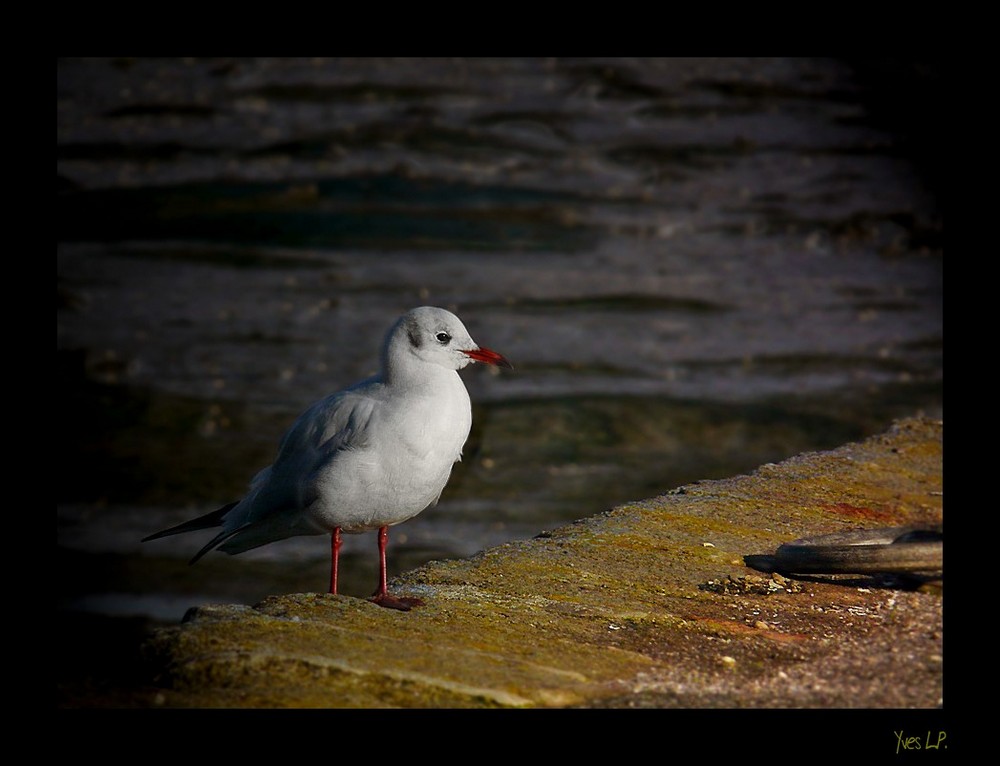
(612, 610)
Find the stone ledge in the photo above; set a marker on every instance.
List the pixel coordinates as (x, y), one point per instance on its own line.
(647, 605)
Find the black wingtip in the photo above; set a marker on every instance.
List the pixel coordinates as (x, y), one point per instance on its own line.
(209, 520)
(208, 546)
(216, 541)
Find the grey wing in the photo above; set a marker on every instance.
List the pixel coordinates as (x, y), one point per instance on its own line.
(334, 424)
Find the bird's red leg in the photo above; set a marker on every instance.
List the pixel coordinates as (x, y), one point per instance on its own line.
(335, 558)
(381, 596)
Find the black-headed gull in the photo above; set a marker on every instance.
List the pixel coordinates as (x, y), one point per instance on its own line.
(373, 455)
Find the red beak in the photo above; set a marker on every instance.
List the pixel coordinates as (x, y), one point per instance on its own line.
(487, 356)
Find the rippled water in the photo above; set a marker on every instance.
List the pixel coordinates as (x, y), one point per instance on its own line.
(696, 266)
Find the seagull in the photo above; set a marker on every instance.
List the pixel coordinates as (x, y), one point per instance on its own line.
(365, 458)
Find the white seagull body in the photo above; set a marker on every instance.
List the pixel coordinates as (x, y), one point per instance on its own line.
(368, 457)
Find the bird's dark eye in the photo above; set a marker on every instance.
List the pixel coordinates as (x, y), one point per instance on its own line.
(443, 338)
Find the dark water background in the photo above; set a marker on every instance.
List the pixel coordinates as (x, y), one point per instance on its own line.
(696, 265)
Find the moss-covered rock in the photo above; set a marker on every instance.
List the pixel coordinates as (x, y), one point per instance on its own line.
(621, 609)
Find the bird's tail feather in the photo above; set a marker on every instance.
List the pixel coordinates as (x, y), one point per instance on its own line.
(213, 519)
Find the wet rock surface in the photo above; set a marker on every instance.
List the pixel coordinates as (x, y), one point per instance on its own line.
(610, 611)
